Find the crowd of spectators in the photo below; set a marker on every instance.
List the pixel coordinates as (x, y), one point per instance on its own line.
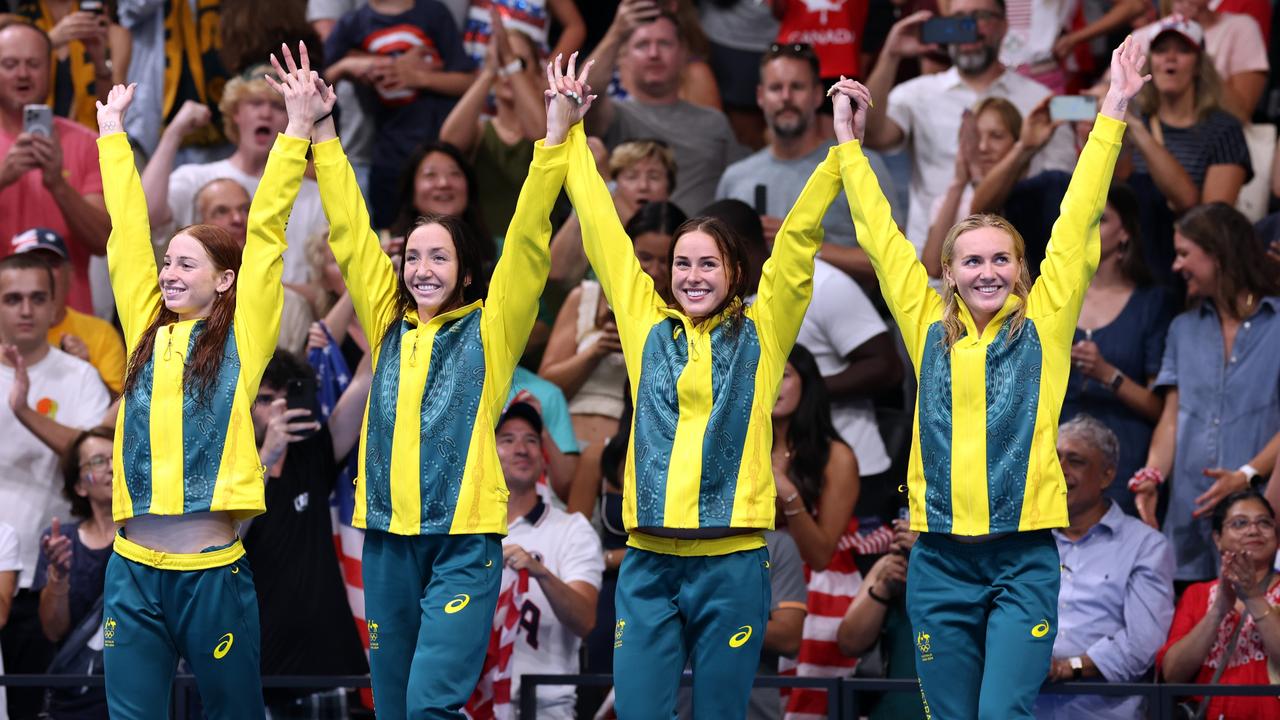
(1171, 415)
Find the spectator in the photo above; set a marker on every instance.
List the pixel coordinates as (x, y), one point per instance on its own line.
(738, 33)
(252, 30)
(783, 631)
(925, 113)
(408, 57)
(173, 61)
(558, 550)
(47, 182)
(988, 133)
(291, 547)
(789, 95)
(642, 171)
(85, 336)
(584, 354)
(10, 566)
(500, 147)
(697, 81)
(1221, 374)
(225, 203)
(1259, 10)
(72, 566)
(878, 615)
(252, 116)
(437, 179)
(652, 44)
(558, 440)
(531, 18)
(817, 480)
(1116, 598)
(62, 388)
(1189, 150)
(90, 54)
(1221, 632)
(1119, 343)
(834, 32)
(1235, 45)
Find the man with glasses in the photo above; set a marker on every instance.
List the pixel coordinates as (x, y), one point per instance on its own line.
(1116, 599)
(62, 388)
(924, 113)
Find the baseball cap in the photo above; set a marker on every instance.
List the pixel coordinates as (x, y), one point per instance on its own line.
(1190, 30)
(39, 239)
(523, 411)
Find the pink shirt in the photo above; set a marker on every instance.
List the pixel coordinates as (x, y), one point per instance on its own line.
(27, 204)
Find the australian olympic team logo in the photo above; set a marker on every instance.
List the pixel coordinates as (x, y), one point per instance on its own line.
(109, 632)
(373, 634)
(925, 645)
(617, 633)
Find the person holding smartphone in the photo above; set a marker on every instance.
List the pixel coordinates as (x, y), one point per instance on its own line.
(186, 470)
(992, 354)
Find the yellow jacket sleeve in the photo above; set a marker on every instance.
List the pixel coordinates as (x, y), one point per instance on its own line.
(260, 288)
(367, 270)
(130, 259)
(1072, 256)
(630, 291)
(521, 272)
(903, 279)
(786, 281)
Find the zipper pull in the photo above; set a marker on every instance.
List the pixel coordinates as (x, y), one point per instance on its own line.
(168, 348)
(413, 352)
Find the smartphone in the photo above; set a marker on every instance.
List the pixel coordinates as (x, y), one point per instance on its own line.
(1073, 107)
(762, 204)
(91, 6)
(301, 395)
(949, 30)
(37, 120)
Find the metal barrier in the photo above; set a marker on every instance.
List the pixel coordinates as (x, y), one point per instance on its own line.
(843, 693)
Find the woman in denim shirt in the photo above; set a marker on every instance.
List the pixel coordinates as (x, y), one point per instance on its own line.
(1222, 372)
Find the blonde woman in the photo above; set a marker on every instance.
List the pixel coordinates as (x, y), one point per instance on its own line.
(992, 354)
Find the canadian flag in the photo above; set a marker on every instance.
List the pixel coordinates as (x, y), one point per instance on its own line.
(492, 697)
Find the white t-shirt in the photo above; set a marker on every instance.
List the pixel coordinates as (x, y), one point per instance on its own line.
(10, 560)
(305, 220)
(928, 109)
(1034, 26)
(839, 319)
(68, 390)
(570, 549)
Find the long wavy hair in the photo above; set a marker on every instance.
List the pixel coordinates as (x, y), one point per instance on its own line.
(810, 430)
(471, 262)
(1243, 268)
(733, 251)
(409, 216)
(204, 362)
(951, 322)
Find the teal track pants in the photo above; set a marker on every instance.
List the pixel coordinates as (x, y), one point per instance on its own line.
(429, 602)
(707, 610)
(984, 617)
(151, 617)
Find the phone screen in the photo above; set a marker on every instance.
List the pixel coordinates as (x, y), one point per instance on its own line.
(1073, 107)
(949, 30)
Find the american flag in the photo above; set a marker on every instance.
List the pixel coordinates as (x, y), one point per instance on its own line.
(492, 697)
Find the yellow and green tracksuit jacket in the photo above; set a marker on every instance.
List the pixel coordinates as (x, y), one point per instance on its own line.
(984, 456)
(428, 460)
(176, 452)
(702, 433)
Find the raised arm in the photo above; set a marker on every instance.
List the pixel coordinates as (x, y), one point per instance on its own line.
(259, 289)
(131, 261)
(191, 116)
(904, 281)
(1074, 247)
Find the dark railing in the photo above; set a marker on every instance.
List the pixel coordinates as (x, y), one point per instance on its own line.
(843, 693)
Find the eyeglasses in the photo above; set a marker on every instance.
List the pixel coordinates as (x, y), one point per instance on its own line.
(1264, 524)
(97, 462)
(797, 51)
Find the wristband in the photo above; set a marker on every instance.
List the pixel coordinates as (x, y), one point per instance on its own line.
(1146, 474)
(323, 117)
(871, 590)
(1116, 381)
(1250, 473)
(787, 500)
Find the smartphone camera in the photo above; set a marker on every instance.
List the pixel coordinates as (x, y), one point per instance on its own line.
(301, 395)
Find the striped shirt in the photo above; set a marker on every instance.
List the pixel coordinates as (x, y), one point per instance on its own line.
(701, 436)
(177, 452)
(1217, 140)
(428, 461)
(984, 456)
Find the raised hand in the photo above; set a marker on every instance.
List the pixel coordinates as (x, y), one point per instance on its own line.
(111, 113)
(307, 99)
(21, 386)
(851, 100)
(57, 550)
(1225, 482)
(1038, 126)
(568, 97)
(192, 116)
(1127, 62)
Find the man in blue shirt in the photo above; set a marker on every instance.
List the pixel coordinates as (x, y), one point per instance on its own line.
(1116, 598)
